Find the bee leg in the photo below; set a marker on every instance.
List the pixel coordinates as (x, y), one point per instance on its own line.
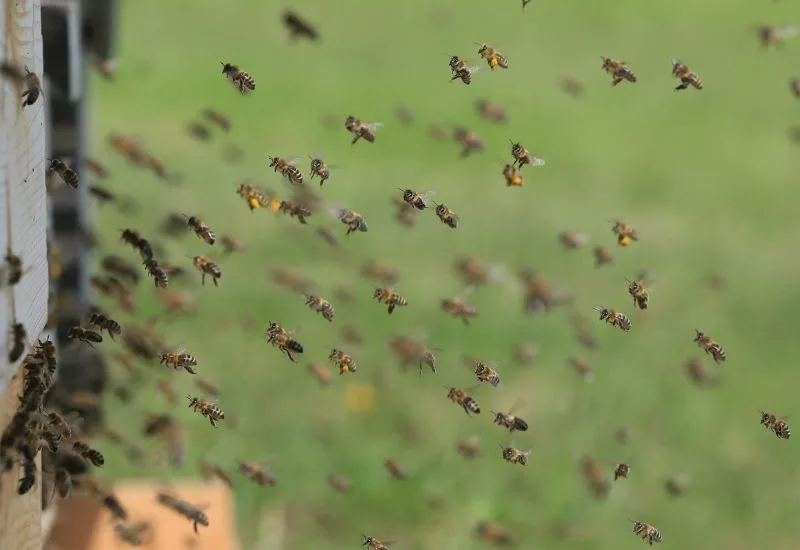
(290, 355)
(203, 279)
(615, 81)
(466, 321)
(355, 139)
(213, 423)
(391, 308)
(682, 86)
(466, 410)
(216, 283)
(195, 527)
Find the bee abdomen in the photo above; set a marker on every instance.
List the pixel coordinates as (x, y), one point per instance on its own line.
(295, 346)
(472, 405)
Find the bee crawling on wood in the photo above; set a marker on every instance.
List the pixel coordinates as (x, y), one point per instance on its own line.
(187, 510)
(209, 409)
(27, 80)
(85, 335)
(614, 318)
(710, 346)
(618, 70)
(239, 78)
(512, 455)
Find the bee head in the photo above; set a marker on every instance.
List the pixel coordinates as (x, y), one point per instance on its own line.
(226, 67)
(441, 210)
(454, 61)
(408, 194)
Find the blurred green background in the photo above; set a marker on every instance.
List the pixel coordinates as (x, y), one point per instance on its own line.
(708, 178)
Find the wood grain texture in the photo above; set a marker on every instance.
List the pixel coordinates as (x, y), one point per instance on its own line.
(23, 226)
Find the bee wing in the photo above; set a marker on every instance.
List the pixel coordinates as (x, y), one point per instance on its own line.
(474, 68)
(467, 291)
(294, 161)
(787, 31)
(536, 161)
(337, 212)
(373, 126)
(497, 273)
(427, 196)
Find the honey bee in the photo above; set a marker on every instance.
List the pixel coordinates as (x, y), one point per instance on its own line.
(794, 86)
(294, 210)
(238, 78)
(469, 140)
(28, 80)
(106, 323)
(774, 35)
(711, 347)
(395, 469)
(206, 267)
(64, 171)
(187, 510)
(133, 534)
(201, 229)
(676, 486)
(178, 359)
(344, 361)
(321, 169)
(405, 213)
(209, 409)
(459, 309)
(217, 118)
(352, 219)
(321, 306)
(625, 233)
(640, 293)
(595, 476)
(19, 336)
(492, 56)
(380, 273)
(701, 374)
(390, 298)
(513, 176)
(621, 471)
(253, 197)
(525, 354)
(686, 76)
(257, 473)
(601, 256)
(509, 421)
(140, 244)
(460, 71)
(320, 373)
(159, 275)
(88, 453)
(491, 111)
(231, 245)
(279, 338)
(472, 272)
(494, 532)
(572, 240)
(582, 367)
(97, 168)
(63, 482)
(571, 86)
(447, 216)
(486, 373)
(512, 455)
(646, 532)
(129, 148)
(373, 544)
(420, 201)
(298, 27)
(614, 318)
(340, 484)
(84, 335)
(463, 399)
(470, 447)
(777, 425)
(525, 4)
(361, 129)
(437, 132)
(287, 168)
(618, 70)
(522, 156)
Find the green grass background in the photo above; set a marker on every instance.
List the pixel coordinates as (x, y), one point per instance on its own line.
(708, 178)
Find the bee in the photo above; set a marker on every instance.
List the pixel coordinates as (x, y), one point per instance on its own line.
(210, 410)
(219, 119)
(463, 399)
(165, 388)
(460, 71)
(344, 361)
(625, 233)
(494, 532)
(380, 273)
(601, 256)
(773, 35)
(129, 148)
(457, 308)
(512, 455)
(231, 244)
(492, 56)
(621, 471)
(618, 70)
(640, 293)
(294, 210)
(373, 544)
(469, 140)
(84, 335)
(472, 272)
(298, 27)
(321, 306)
(257, 473)
(178, 359)
(525, 354)
(159, 275)
(470, 447)
(525, 4)
(106, 323)
(239, 78)
(614, 318)
(676, 486)
(19, 337)
(794, 86)
(509, 421)
(287, 169)
(513, 176)
(201, 229)
(97, 168)
(395, 469)
(486, 373)
(88, 453)
(701, 374)
(28, 479)
(340, 484)
(686, 76)
(405, 213)
(64, 171)
(320, 373)
(63, 482)
(572, 240)
(595, 476)
(361, 129)
(206, 267)
(420, 201)
(253, 197)
(29, 81)
(390, 298)
(189, 511)
(447, 216)
(777, 425)
(582, 367)
(279, 338)
(522, 156)
(491, 111)
(572, 87)
(646, 532)
(133, 534)
(321, 169)
(437, 132)
(711, 347)
(352, 219)
(142, 245)
(102, 194)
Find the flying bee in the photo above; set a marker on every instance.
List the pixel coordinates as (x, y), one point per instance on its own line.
(205, 266)
(27, 80)
(582, 367)
(231, 245)
(239, 78)
(340, 484)
(159, 275)
(84, 335)
(64, 171)
(88, 453)
(344, 361)
(624, 232)
(794, 86)
(217, 118)
(294, 210)
(522, 156)
(618, 70)
(321, 306)
(571, 240)
(298, 27)
(390, 298)
(509, 421)
(457, 308)
(103, 322)
(352, 219)
(320, 373)
(405, 213)
(686, 76)
(447, 216)
(373, 544)
(777, 425)
(470, 447)
(492, 56)
(716, 351)
(486, 373)
(640, 293)
(133, 534)
(257, 473)
(701, 374)
(279, 338)
(380, 273)
(178, 359)
(646, 532)
(676, 486)
(395, 469)
(621, 471)
(774, 35)
(525, 354)
(463, 399)
(287, 168)
(206, 408)
(512, 455)
(460, 71)
(19, 337)
(491, 111)
(513, 176)
(472, 271)
(321, 169)
(420, 201)
(494, 532)
(187, 510)
(142, 245)
(595, 476)
(614, 318)
(469, 141)
(201, 229)
(361, 129)
(253, 197)
(601, 256)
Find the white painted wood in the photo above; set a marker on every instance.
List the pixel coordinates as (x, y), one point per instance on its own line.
(23, 210)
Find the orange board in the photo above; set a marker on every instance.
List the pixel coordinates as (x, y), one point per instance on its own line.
(83, 524)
